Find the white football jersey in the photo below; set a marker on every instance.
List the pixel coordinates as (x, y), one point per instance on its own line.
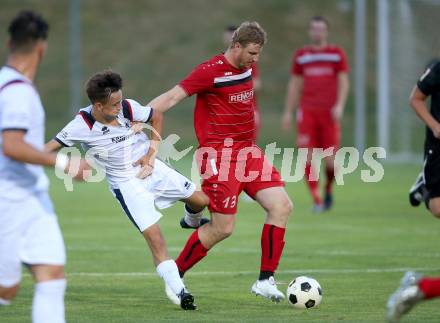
(115, 148)
(20, 109)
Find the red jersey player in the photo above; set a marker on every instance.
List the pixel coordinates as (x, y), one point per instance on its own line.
(228, 34)
(319, 87)
(225, 127)
(227, 37)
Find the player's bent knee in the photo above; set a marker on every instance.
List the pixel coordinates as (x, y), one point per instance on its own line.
(224, 232)
(284, 208)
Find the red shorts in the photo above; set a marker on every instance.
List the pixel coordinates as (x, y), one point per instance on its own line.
(317, 129)
(224, 178)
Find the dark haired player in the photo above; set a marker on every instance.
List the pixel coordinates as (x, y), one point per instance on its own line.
(29, 230)
(318, 90)
(427, 186)
(414, 288)
(224, 120)
(138, 181)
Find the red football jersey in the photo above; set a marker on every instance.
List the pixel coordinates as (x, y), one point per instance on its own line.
(224, 104)
(319, 69)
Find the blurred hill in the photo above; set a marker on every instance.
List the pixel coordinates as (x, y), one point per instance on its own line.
(154, 44)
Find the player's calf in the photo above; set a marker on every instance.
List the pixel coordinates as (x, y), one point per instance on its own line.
(197, 201)
(156, 242)
(277, 204)
(50, 287)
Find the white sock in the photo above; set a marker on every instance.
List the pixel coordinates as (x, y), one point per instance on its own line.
(48, 304)
(192, 219)
(4, 302)
(169, 272)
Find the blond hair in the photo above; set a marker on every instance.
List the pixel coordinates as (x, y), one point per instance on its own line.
(249, 32)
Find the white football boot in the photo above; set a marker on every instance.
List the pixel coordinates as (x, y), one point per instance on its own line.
(171, 296)
(405, 297)
(267, 288)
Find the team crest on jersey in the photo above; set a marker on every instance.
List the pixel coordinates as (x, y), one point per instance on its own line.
(105, 130)
(241, 96)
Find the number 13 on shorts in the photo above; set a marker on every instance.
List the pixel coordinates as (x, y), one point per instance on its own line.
(230, 202)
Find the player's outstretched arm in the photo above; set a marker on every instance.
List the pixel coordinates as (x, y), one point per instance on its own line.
(294, 89)
(168, 99)
(417, 100)
(16, 148)
(52, 146)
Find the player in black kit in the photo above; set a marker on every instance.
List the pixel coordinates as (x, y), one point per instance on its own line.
(427, 186)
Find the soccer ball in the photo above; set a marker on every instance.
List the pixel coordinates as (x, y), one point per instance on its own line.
(304, 292)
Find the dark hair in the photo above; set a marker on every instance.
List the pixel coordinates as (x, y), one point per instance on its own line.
(319, 19)
(231, 28)
(26, 29)
(101, 85)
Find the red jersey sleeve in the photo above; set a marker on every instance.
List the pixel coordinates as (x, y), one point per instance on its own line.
(343, 63)
(198, 81)
(296, 67)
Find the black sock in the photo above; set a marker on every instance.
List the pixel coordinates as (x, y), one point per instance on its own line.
(265, 275)
(189, 210)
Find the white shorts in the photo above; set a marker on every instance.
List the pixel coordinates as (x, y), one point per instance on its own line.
(29, 234)
(139, 197)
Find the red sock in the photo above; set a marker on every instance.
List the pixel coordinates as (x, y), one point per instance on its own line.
(430, 287)
(272, 244)
(313, 184)
(191, 254)
(330, 174)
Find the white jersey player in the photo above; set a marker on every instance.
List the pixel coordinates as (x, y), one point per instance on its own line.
(138, 181)
(29, 231)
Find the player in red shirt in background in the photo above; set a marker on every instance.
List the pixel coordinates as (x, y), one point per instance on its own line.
(318, 87)
(225, 129)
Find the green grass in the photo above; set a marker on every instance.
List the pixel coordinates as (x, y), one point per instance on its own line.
(358, 252)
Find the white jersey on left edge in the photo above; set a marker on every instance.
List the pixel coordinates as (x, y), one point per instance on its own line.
(20, 109)
(116, 147)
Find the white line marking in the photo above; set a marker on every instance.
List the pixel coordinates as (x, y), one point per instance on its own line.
(280, 272)
(326, 253)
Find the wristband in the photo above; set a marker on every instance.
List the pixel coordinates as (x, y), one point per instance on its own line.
(61, 162)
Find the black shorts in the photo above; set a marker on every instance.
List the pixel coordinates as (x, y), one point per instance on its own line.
(432, 172)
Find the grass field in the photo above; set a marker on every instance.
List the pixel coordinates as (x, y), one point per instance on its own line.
(357, 252)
